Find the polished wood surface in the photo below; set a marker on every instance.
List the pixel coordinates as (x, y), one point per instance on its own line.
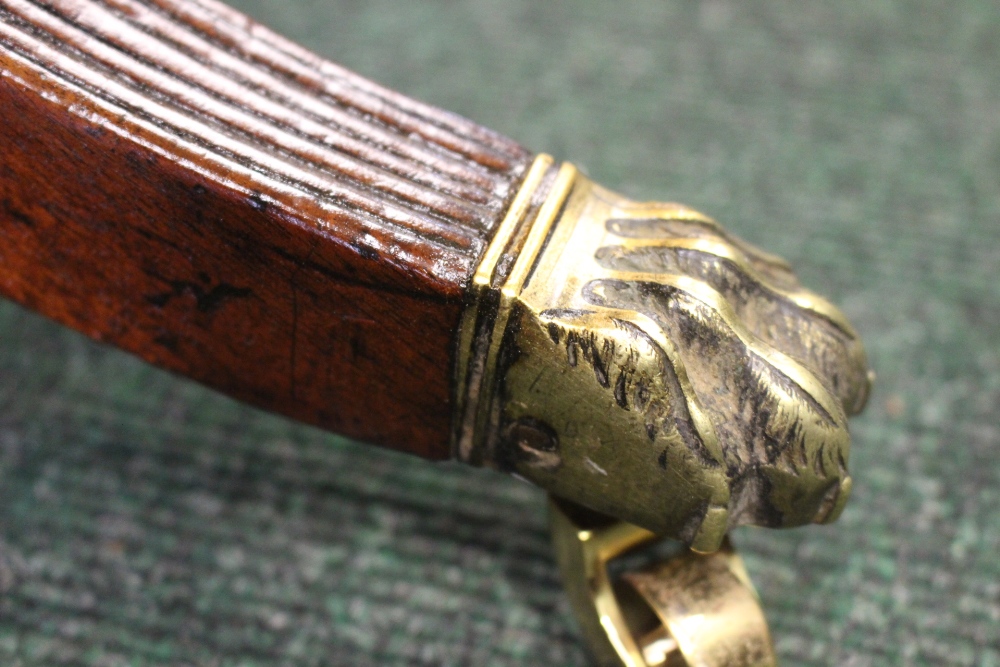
(184, 184)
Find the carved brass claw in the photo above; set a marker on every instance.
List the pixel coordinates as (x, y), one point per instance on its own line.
(639, 360)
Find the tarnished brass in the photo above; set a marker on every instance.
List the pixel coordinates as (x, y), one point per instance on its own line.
(690, 610)
(641, 361)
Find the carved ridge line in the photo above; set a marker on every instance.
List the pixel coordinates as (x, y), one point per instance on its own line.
(260, 44)
(224, 147)
(793, 370)
(804, 299)
(96, 110)
(109, 25)
(384, 144)
(205, 107)
(681, 213)
(665, 210)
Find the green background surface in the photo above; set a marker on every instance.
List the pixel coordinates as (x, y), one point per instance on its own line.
(147, 521)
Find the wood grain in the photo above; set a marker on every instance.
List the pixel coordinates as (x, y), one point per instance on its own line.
(180, 182)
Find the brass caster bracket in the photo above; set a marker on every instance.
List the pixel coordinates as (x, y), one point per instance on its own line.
(692, 610)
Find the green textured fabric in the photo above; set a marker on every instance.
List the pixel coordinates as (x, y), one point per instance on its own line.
(147, 521)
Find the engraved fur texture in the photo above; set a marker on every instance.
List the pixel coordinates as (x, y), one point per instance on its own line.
(660, 370)
(775, 367)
